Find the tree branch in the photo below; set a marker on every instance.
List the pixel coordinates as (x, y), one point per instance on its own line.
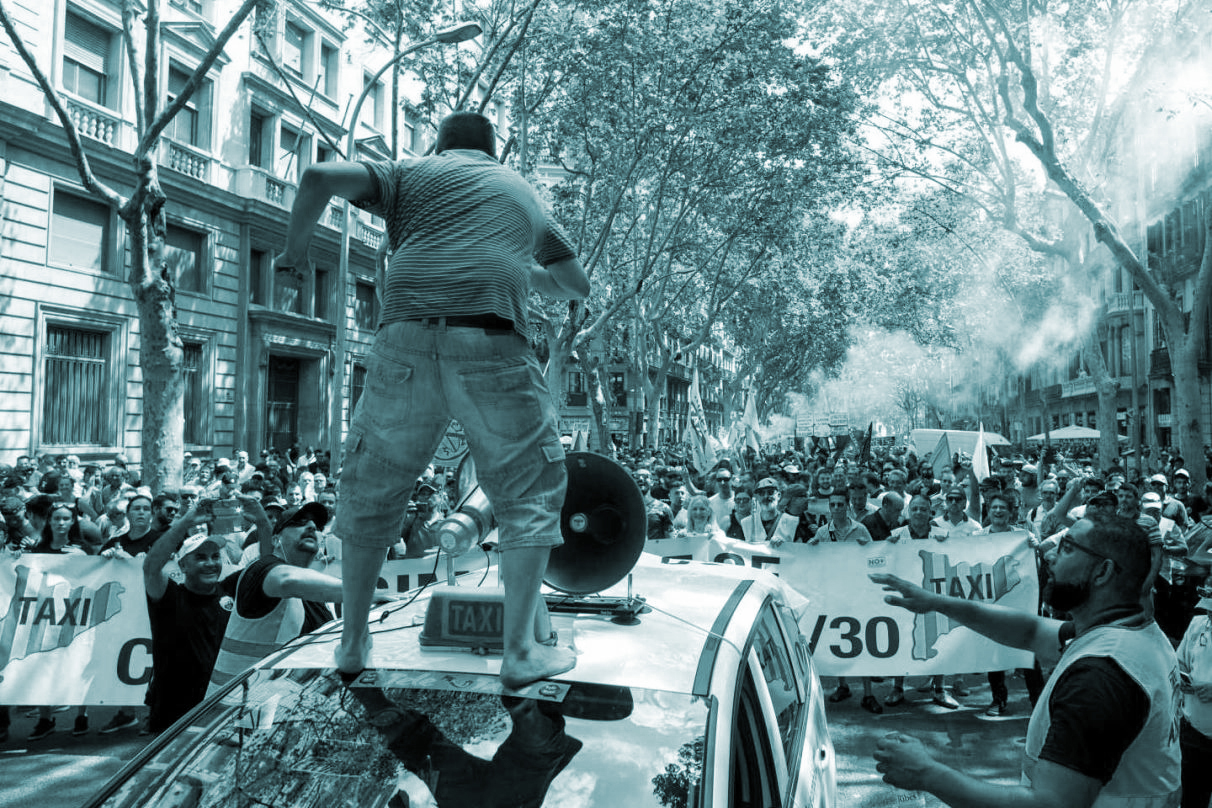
(87, 177)
(163, 119)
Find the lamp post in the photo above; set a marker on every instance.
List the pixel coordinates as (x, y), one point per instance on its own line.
(458, 33)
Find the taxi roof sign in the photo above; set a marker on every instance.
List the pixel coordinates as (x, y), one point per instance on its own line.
(465, 618)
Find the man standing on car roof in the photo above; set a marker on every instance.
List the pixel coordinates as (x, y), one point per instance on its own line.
(465, 234)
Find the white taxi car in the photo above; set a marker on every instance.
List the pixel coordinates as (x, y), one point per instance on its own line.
(708, 698)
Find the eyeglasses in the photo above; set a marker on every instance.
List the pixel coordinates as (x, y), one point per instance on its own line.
(742, 500)
(955, 499)
(1068, 545)
(765, 492)
(836, 505)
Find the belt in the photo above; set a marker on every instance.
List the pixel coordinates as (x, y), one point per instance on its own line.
(488, 323)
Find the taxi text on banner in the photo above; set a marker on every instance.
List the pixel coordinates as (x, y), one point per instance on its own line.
(853, 632)
(73, 630)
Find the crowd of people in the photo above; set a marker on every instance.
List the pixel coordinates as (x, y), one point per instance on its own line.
(1143, 536)
(267, 520)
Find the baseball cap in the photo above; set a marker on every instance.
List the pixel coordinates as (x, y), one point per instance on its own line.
(1158, 478)
(195, 542)
(1050, 485)
(791, 468)
(766, 482)
(1183, 473)
(273, 502)
(312, 511)
(1105, 500)
(1150, 498)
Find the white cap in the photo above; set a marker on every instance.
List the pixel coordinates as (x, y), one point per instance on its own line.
(194, 542)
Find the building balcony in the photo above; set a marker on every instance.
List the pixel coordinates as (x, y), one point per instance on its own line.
(253, 182)
(1077, 387)
(1122, 303)
(188, 160)
(368, 233)
(95, 122)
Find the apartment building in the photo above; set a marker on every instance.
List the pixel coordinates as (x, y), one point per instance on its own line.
(262, 348)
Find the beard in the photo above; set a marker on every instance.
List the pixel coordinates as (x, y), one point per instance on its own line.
(1065, 596)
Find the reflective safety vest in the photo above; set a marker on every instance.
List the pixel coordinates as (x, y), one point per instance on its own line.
(247, 640)
(1148, 772)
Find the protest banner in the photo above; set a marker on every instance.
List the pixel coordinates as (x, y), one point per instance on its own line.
(851, 630)
(682, 548)
(74, 630)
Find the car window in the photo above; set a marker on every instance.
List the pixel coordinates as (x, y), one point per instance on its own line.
(754, 782)
(774, 658)
(301, 738)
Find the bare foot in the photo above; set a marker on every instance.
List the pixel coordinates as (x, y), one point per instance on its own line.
(539, 662)
(353, 659)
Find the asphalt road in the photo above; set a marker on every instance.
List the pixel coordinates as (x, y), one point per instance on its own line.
(61, 771)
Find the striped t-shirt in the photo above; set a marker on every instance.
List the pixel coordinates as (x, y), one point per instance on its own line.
(464, 232)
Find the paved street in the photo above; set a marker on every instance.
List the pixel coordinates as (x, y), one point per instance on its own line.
(61, 770)
(989, 748)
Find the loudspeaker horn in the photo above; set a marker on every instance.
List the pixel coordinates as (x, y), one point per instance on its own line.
(604, 524)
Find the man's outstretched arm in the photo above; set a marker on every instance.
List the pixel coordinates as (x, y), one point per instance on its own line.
(320, 183)
(1012, 627)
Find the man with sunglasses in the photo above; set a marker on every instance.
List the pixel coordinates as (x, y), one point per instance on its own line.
(721, 501)
(278, 596)
(955, 518)
(1104, 728)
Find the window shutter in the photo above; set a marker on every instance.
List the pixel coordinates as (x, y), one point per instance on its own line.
(86, 43)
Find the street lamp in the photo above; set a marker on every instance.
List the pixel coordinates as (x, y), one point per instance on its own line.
(447, 36)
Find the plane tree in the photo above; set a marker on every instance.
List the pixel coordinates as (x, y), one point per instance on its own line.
(1021, 109)
(150, 274)
(690, 140)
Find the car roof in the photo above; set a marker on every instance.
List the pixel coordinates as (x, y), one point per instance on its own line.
(673, 647)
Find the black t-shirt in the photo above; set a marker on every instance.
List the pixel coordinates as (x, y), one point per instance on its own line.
(134, 546)
(734, 531)
(1097, 711)
(252, 602)
(186, 629)
(877, 527)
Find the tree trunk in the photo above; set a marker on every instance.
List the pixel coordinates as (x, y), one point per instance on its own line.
(160, 349)
(1106, 388)
(1184, 359)
(599, 438)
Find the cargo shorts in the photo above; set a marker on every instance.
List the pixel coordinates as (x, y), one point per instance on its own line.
(420, 376)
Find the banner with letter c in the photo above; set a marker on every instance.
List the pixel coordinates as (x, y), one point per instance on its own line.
(853, 632)
(73, 630)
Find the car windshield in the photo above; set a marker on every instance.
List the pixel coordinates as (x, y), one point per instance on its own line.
(300, 738)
